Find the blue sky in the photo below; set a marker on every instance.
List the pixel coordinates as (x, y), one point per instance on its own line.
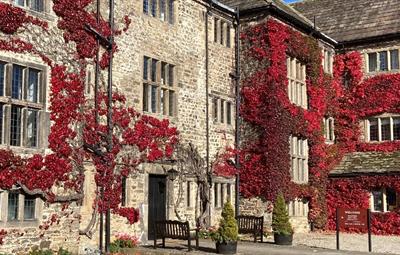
(291, 1)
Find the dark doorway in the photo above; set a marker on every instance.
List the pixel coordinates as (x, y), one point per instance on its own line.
(157, 201)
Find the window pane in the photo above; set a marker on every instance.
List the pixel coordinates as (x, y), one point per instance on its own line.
(33, 85)
(29, 208)
(17, 81)
(391, 200)
(19, 2)
(154, 69)
(222, 194)
(154, 99)
(188, 200)
(383, 61)
(373, 130)
(146, 68)
(163, 102)
(162, 9)
(145, 97)
(13, 206)
(385, 129)
(215, 109)
(1, 123)
(378, 200)
(171, 75)
(31, 127)
(222, 111)
(171, 11)
(215, 194)
(216, 26)
(37, 5)
(171, 103)
(228, 192)
(146, 6)
(123, 195)
(228, 36)
(163, 72)
(372, 62)
(396, 128)
(15, 134)
(222, 34)
(229, 113)
(394, 59)
(2, 67)
(154, 8)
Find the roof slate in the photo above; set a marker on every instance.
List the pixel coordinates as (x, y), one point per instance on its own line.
(346, 20)
(368, 162)
(247, 5)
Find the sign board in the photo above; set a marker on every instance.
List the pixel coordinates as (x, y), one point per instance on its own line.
(353, 218)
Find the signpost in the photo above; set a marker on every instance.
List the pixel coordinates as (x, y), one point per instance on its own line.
(353, 218)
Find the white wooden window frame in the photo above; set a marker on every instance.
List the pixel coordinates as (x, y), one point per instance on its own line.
(379, 119)
(366, 57)
(372, 202)
(327, 62)
(329, 130)
(297, 86)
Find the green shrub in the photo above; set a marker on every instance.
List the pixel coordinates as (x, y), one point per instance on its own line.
(280, 217)
(228, 229)
(36, 251)
(61, 251)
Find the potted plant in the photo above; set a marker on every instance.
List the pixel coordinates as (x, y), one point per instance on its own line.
(226, 235)
(283, 231)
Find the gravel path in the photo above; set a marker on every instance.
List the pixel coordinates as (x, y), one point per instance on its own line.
(350, 242)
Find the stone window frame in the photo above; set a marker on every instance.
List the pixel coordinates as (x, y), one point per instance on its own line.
(329, 130)
(222, 32)
(384, 194)
(222, 193)
(45, 14)
(222, 110)
(369, 53)
(327, 61)
(298, 208)
(168, 85)
(299, 152)
(6, 102)
(297, 86)
(392, 118)
(21, 221)
(152, 8)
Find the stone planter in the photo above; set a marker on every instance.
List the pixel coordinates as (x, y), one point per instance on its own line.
(129, 251)
(226, 248)
(283, 239)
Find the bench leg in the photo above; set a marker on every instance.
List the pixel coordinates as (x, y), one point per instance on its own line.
(163, 242)
(189, 244)
(155, 243)
(197, 239)
(262, 236)
(255, 236)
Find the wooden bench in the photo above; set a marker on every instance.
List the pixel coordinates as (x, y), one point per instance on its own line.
(175, 230)
(251, 225)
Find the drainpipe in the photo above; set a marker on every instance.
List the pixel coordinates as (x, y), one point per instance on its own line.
(207, 119)
(238, 120)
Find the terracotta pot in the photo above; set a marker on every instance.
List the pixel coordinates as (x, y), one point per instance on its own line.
(283, 239)
(226, 248)
(128, 251)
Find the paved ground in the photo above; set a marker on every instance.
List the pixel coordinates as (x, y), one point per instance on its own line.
(352, 242)
(245, 248)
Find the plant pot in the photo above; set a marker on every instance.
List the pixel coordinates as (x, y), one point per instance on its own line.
(226, 248)
(283, 239)
(128, 251)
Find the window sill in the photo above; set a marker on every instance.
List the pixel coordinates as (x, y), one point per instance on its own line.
(172, 119)
(20, 224)
(165, 23)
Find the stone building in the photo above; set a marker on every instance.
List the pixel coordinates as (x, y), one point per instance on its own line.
(161, 67)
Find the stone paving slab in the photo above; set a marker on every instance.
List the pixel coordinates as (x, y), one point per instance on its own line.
(244, 248)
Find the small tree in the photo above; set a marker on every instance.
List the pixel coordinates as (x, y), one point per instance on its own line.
(228, 229)
(280, 217)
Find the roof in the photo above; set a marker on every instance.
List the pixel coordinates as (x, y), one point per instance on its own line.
(347, 20)
(368, 162)
(249, 5)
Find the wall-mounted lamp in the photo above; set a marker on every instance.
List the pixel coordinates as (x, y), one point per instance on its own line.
(172, 174)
